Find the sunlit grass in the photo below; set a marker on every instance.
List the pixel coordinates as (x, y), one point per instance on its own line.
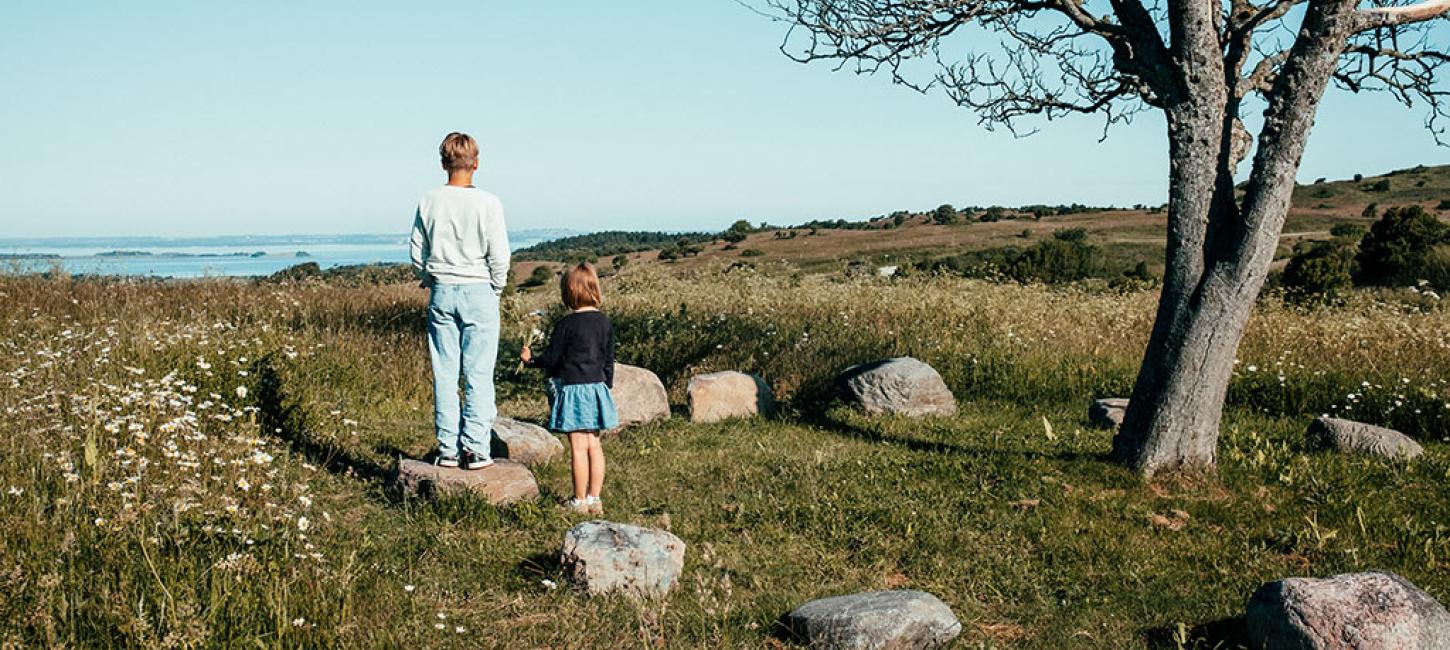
(202, 463)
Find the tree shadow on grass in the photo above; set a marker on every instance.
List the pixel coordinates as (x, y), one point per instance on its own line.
(279, 415)
(825, 419)
(1221, 634)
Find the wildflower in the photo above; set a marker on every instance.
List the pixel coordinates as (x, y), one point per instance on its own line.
(459, 629)
(299, 622)
(15, 491)
(409, 588)
(439, 626)
(549, 584)
(302, 523)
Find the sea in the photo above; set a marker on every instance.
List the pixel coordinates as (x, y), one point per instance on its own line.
(248, 255)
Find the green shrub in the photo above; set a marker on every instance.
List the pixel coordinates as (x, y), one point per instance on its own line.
(1070, 234)
(1382, 185)
(752, 252)
(1443, 205)
(1370, 211)
(1056, 260)
(1320, 271)
(1397, 246)
(944, 215)
(620, 261)
(540, 276)
(1348, 231)
(1437, 268)
(669, 254)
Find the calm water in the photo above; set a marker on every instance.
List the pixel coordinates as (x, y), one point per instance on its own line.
(217, 262)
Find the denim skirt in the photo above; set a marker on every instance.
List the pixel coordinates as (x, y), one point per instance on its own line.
(581, 407)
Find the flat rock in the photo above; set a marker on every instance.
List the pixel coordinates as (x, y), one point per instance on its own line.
(526, 443)
(1365, 611)
(875, 619)
(502, 483)
(1357, 437)
(604, 557)
(638, 395)
(903, 386)
(724, 395)
(1108, 413)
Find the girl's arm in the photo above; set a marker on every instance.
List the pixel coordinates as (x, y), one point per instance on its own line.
(609, 357)
(551, 357)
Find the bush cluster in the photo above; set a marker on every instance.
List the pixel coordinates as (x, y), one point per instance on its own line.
(1405, 247)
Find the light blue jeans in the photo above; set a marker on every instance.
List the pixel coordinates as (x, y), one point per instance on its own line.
(463, 339)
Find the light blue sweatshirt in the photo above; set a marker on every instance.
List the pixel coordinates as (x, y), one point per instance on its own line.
(459, 237)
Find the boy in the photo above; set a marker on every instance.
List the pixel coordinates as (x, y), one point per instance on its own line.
(460, 250)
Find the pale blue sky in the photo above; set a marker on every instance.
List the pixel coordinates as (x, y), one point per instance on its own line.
(197, 118)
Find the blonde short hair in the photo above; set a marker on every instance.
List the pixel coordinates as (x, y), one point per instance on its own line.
(579, 287)
(458, 151)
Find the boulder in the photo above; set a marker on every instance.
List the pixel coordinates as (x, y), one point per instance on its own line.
(639, 396)
(902, 386)
(1366, 611)
(502, 483)
(723, 395)
(1107, 413)
(1357, 437)
(604, 557)
(875, 619)
(526, 443)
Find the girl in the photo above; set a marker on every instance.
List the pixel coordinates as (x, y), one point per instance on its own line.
(580, 365)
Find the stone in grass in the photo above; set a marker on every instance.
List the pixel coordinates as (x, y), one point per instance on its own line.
(1108, 413)
(526, 443)
(875, 619)
(502, 483)
(605, 557)
(903, 386)
(1366, 611)
(724, 395)
(1350, 436)
(639, 396)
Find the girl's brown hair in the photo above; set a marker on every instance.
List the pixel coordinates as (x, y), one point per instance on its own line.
(579, 287)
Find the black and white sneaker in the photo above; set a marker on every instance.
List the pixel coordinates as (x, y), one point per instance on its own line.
(445, 461)
(472, 460)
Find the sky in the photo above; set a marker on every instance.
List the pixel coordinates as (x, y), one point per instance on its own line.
(191, 119)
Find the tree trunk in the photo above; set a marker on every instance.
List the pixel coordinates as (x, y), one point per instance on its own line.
(1215, 274)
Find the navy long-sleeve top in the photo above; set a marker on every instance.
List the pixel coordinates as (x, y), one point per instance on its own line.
(581, 350)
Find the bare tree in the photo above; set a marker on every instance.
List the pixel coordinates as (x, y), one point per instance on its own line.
(1204, 64)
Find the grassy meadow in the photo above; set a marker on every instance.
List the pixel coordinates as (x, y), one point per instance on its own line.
(202, 464)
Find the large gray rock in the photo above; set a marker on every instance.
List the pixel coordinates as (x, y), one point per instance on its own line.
(526, 443)
(903, 386)
(1365, 611)
(639, 396)
(1357, 437)
(604, 556)
(724, 395)
(504, 482)
(875, 619)
(1108, 413)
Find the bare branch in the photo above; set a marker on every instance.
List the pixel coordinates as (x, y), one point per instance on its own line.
(1403, 15)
